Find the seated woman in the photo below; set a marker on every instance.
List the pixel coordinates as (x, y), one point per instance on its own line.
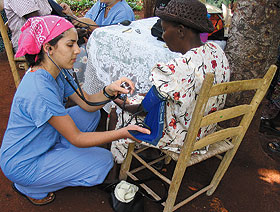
(103, 13)
(47, 147)
(180, 79)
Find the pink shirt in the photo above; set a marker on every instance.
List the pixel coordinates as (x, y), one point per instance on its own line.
(16, 9)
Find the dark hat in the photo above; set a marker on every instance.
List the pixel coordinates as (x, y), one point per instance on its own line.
(190, 13)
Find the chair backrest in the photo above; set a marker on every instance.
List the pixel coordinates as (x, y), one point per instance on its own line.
(226, 140)
(245, 111)
(9, 50)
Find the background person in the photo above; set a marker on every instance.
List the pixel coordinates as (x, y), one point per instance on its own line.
(47, 147)
(180, 79)
(18, 11)
(103, 12)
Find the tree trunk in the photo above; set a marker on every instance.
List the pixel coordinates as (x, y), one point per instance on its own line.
(149, 6)
(253, 41)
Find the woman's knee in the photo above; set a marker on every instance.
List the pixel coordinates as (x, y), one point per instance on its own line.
(101, 167)
(107, 158)
(97, 158)
(84, 120)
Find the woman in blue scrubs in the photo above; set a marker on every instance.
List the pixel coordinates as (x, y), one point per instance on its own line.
(47, 147)
(103, 12)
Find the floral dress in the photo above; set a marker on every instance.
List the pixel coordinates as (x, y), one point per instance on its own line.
(180, 81)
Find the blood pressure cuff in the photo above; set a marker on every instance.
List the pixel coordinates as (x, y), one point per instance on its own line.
(154, 106)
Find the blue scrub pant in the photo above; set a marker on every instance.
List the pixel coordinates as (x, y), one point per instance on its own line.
(66, 165)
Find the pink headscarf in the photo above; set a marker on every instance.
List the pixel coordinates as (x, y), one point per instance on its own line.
(38, 31)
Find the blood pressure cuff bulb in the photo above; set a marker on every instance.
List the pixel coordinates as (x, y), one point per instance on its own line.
(154, 106)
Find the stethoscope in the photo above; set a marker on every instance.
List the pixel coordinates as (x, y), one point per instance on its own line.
(120, 96)
(102, 7)
(81, 94)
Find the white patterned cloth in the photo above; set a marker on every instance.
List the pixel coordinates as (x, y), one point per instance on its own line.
(113, 53)
(180, 81)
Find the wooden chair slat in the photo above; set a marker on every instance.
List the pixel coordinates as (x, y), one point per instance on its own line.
(218, 136)
(225, 114)
(232, 87)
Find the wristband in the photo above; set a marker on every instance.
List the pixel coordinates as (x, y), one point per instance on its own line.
(107, 95)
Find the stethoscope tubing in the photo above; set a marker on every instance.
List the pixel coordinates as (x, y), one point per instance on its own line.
(81, 94)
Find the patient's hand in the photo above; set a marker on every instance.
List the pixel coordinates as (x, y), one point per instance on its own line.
(131, 108)
(134, 109)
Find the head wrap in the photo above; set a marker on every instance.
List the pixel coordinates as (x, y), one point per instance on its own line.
(190, 13)
(38, 31)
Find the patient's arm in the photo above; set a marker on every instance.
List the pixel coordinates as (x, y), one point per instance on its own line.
(85, 22)
(128, 107)
(131, 108)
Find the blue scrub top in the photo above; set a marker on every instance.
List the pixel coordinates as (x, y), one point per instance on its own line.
(29, 135)
(121, 11)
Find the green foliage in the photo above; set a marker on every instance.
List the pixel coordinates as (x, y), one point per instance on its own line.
(76, 5)
(137, 17)
(135, 4)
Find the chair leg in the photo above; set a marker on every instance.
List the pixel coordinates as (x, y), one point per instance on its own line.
(170, 201)
(177, 177)
(167, 160)
(127, 162)
(221, 171)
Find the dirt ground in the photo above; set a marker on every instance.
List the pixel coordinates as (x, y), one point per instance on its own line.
(251, 184)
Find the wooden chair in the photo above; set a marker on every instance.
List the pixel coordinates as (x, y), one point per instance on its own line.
(226, 140)
(9, 50)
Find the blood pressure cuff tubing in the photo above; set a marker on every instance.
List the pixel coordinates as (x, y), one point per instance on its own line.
(154, 105)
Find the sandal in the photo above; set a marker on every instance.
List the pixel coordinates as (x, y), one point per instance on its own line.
(38, 202)
(274, 146)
